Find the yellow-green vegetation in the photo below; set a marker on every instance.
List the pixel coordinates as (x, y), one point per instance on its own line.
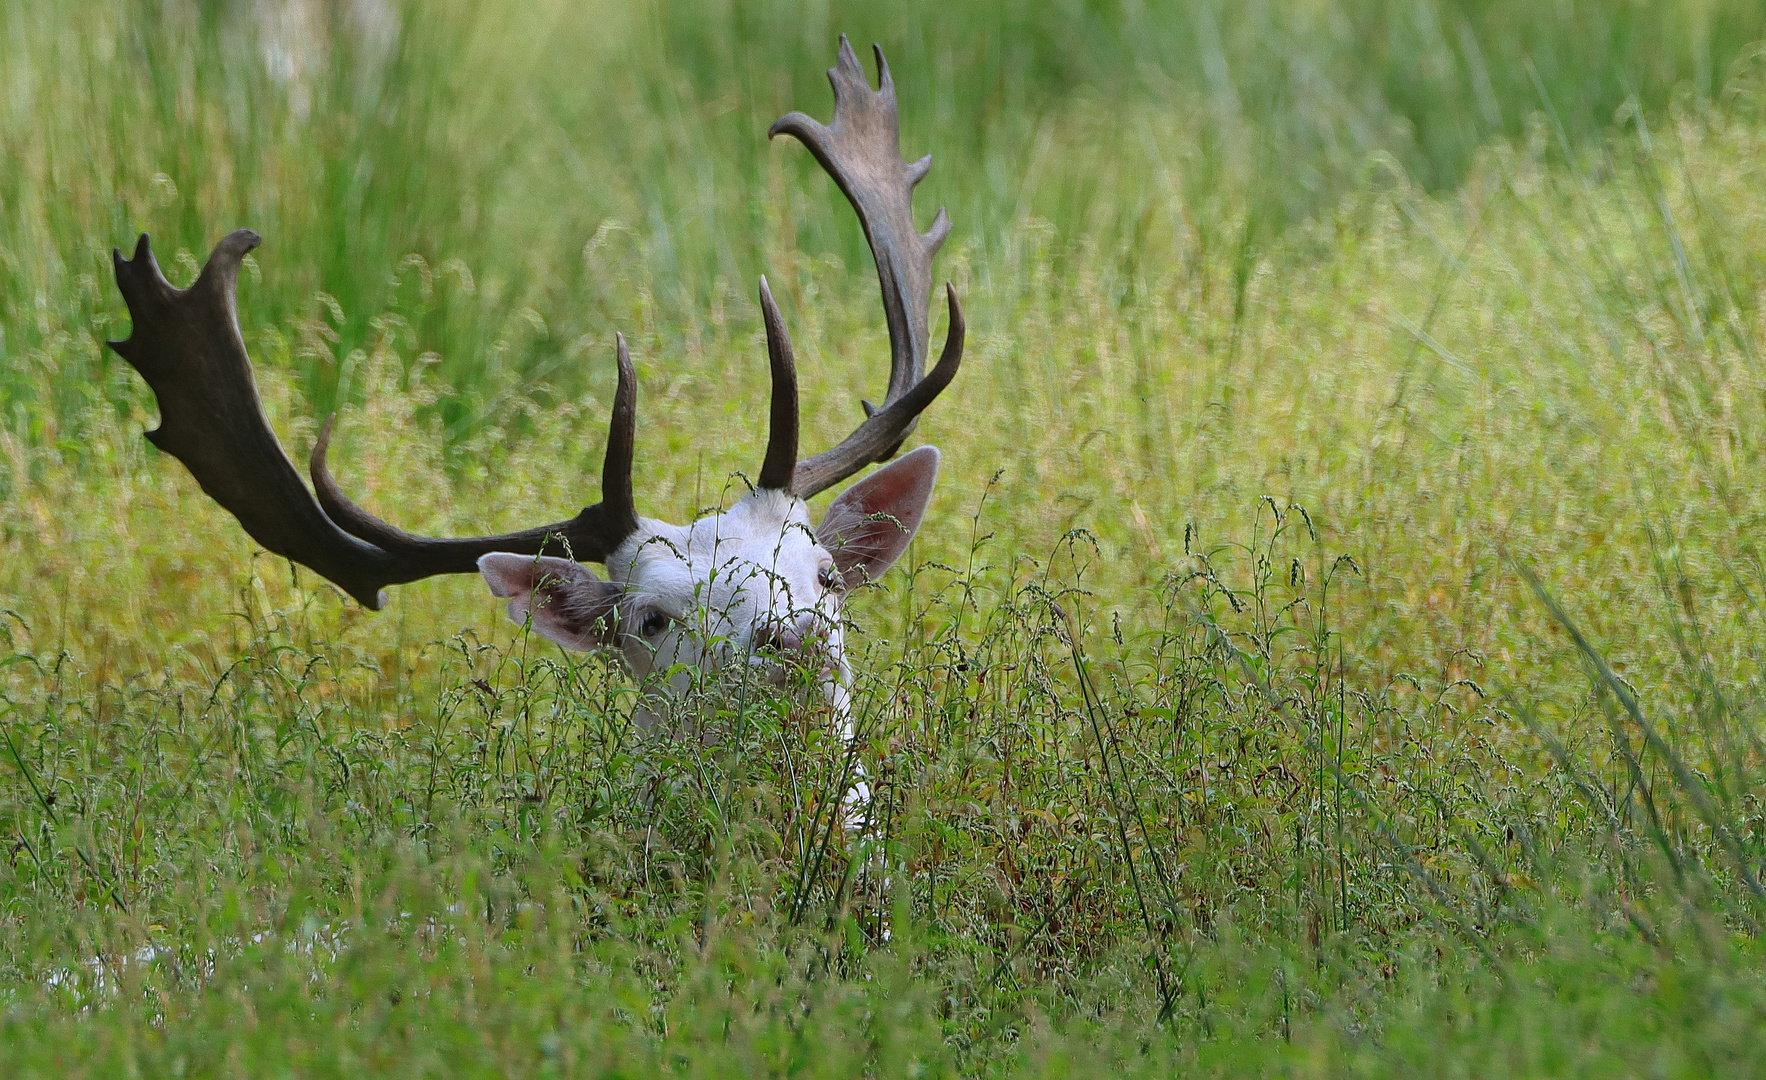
(1334, 647)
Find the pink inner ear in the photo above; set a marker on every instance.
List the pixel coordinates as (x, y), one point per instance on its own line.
(567, 603)
(869, 525)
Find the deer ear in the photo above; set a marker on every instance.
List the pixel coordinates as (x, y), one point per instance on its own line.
(868, 525)
(568, 604)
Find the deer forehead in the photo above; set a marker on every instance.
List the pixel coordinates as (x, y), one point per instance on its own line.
(762, 551)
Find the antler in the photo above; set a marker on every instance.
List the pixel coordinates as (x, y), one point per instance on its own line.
(186, 344)
(778, 470)
(861, 150)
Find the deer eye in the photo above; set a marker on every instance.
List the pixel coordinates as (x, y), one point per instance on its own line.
(654, 624)
(829, 578)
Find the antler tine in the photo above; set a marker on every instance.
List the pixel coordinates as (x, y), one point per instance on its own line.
(778, 472)
(861, 150)
(883, 431)
(186, 344)
(591, 536)
(617, 495)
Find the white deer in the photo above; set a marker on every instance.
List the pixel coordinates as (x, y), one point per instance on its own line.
(756, 584)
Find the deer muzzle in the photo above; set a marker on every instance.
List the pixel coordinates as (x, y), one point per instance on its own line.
(802, 638)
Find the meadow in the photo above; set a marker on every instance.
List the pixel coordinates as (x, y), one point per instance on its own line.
(1334, 647)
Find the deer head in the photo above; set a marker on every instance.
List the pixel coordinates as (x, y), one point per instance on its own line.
(753, 584)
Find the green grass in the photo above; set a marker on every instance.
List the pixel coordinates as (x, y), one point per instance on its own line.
(1333, 648)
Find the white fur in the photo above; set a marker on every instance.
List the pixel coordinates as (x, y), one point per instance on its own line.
(721, 580)
(755, 585)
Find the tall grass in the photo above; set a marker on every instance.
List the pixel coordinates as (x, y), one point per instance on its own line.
(1333, 648)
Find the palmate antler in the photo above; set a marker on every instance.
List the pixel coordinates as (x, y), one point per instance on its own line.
(861, 150)
(186, 344)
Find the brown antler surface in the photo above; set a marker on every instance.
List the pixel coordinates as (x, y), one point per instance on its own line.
(861, 150)
(779, 471)
(186, 344)
(591, 536)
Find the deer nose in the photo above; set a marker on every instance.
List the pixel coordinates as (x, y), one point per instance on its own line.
(790, 635)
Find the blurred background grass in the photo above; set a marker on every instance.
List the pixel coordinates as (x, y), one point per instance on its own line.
(550, 153)
(1474, 286)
